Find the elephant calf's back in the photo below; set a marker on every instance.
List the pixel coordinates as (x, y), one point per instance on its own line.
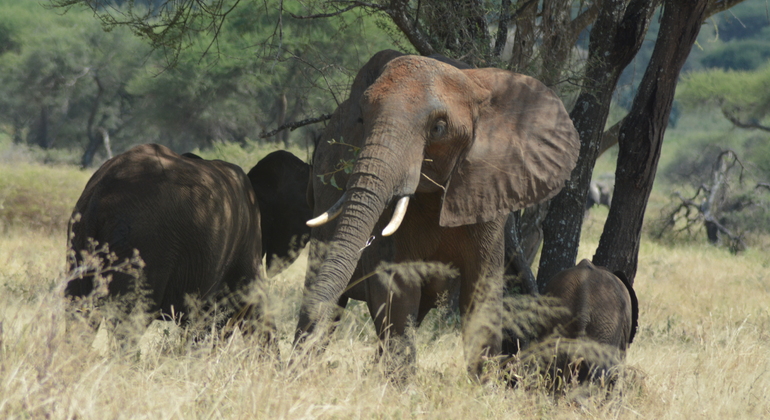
(600, 305)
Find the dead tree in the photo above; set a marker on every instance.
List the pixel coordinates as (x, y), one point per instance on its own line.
(706, 207)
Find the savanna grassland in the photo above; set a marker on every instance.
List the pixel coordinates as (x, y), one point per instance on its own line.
(702, 351)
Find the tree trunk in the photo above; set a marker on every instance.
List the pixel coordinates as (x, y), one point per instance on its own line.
(41, 129)
(615, 39)
(641, 136)
(94, 140)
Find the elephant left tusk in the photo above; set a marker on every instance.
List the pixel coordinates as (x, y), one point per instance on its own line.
(330, 214)
(398, 217)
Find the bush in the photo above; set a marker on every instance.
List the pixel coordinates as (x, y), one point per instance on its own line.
(738, 55)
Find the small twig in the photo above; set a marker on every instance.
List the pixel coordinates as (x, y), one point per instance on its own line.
(296, 124)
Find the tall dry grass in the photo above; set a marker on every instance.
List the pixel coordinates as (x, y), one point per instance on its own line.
(703, 351)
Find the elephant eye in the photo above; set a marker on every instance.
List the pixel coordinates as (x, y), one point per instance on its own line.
(439, 128)
(360, 120)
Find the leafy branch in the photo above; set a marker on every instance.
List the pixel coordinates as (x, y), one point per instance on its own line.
(344, 165)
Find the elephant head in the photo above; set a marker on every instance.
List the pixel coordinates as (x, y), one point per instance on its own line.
(280, 183)
(488, 141)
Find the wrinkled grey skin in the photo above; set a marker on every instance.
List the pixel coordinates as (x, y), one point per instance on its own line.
(194, 222)
(468, 146)
(602, 308)
(603, 305)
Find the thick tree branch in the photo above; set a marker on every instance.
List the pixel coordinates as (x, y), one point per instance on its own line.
(353, 5)
(610, 137)
(502, 27)
(716, 6)
(296, 124)
(398, 13)
(583, 20)
(740, 124)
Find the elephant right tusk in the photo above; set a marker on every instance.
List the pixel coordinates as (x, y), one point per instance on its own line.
(330, 214)
(398, 217)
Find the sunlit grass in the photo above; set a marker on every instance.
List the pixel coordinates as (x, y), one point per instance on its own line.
(701, 352)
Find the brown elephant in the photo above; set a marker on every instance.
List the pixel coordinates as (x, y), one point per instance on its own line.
(195, 224)
(460, 148)
(601, 307)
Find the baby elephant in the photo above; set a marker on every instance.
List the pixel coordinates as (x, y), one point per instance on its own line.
(602, 305)
(597, 306)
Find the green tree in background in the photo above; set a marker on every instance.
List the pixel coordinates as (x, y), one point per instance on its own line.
(536, 37)
(66, 83)
(65, 80)
(743, 97)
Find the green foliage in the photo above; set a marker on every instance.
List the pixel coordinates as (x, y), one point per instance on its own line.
(62, 78)
(743, 94)
(344, 165)
(738, 55)
(64, 73)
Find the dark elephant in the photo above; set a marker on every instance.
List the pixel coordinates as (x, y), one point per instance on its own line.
(461, 148)
(280, 181)
(601, 307)
(194, 222)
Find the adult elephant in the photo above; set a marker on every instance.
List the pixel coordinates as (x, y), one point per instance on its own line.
(461, 148)
(280, 181)
(599, 307)
(195, 224)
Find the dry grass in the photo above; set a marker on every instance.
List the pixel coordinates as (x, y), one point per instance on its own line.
(701, 352)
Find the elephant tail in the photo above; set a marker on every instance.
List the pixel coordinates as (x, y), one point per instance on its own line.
(634, 305)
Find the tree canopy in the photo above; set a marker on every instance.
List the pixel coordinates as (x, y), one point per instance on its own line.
(578, 47)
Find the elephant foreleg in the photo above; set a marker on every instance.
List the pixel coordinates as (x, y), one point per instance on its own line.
(481, 295)
(393, 304)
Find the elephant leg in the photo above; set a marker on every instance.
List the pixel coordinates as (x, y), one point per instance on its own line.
(481, 295)
(342, 303)
(393, 304)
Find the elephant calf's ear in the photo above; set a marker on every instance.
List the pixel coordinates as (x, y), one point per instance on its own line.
(524, 150)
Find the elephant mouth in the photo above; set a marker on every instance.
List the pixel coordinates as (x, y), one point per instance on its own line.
(336, 209)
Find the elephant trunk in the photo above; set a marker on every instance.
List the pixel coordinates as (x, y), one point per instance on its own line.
(354, 226)
(382, 171)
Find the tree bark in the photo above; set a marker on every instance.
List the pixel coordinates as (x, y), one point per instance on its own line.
(615, 39)
(641, 136)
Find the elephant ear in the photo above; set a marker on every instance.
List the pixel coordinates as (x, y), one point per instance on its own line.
(524, 149)
(634, 304)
